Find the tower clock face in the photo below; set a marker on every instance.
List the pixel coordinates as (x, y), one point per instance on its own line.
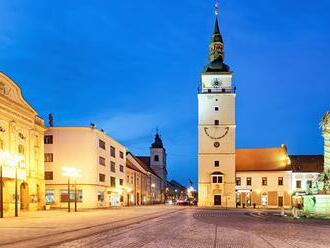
(216, 83)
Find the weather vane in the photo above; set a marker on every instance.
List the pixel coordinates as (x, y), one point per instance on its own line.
(217, 7)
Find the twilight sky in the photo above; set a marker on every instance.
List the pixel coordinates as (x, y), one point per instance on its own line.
(131, 66)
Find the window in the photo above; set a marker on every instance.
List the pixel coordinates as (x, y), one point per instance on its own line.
(216, 164)
(264, 181)
(298, 184)
(121, 168)
(310, 184)
(50, 196)
(156, 158)
(49, 157)
(112, 151)
(121, 154)
(216, 122)
(132, 179)
(113, 166)
(21, 149)
(127, 179)
(101, 177)
(101, 144)
(48, 175)
(113, 181)
(65, 197)
(48, 139)
(217, 179)
(238, 181)
(102, 161)
(121, 198)
(280, 181)
(216, 108)
(121, 182)
(249, 181)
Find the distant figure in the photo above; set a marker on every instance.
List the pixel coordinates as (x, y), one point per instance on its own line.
(51, 120)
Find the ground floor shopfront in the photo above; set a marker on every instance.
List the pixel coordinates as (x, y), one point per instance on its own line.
(87, 196)
(265, 199)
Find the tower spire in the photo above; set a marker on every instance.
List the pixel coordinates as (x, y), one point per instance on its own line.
(216, 47)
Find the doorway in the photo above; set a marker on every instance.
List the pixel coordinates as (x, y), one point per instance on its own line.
(217, 200)
(24, 196)
(280, 201)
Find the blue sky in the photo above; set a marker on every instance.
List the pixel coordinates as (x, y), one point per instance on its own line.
(132, 66)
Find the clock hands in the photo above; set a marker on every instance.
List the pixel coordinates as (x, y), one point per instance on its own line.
(216, 137)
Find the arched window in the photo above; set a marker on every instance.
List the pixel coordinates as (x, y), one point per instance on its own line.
(21, 149)
(156, 158)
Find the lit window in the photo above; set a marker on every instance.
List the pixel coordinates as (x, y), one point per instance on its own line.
(264, 181)
(248, 181)
(238, 181)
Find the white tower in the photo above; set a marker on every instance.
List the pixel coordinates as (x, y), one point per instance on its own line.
(325, 125)
(216, 127)
(158, 161)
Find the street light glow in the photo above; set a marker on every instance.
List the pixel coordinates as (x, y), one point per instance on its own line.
(71, 172)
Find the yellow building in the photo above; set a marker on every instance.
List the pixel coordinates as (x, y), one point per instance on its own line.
(100, 160)
(21, 134)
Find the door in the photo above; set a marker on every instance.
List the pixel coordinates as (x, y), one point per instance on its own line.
(280, 201)
(217, 200)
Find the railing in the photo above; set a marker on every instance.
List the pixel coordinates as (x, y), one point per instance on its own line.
(220, 90)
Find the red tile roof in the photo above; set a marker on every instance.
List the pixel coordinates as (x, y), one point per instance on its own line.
(262, 159)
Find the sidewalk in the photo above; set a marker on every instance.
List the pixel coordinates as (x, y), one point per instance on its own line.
(31, 225)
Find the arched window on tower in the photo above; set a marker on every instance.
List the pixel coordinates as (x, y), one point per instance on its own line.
(156, 158)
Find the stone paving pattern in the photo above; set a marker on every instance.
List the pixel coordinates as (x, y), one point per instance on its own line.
(160, 226)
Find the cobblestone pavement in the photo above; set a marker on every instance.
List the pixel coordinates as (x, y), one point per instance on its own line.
(192, 227)
(213, 228)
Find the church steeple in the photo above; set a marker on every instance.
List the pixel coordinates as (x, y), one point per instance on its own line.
(216, 49)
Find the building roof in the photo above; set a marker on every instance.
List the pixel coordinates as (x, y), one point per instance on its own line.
(130, 165)
(158, 143)
(145, 160)
(262, 159)
(307, 163)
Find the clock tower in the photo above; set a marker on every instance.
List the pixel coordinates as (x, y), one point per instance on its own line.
(216, 129)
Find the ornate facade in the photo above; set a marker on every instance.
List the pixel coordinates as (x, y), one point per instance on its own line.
(21, 133)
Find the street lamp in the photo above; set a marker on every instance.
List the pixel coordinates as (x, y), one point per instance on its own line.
(71, 172)
(14, 161)
(3, 160)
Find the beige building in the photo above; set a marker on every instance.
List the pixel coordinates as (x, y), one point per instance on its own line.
(263, 178)
(21, 133)
(100, 159)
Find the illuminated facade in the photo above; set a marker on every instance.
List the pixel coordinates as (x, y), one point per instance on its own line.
(100, 159)
(21, 133)
(216, 130)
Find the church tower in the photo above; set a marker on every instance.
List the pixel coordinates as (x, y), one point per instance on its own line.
(216, 129)
(158, 160)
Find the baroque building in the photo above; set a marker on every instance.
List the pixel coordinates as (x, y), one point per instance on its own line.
(21, 134)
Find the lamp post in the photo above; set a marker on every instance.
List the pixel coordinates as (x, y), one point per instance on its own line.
(71, 172)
